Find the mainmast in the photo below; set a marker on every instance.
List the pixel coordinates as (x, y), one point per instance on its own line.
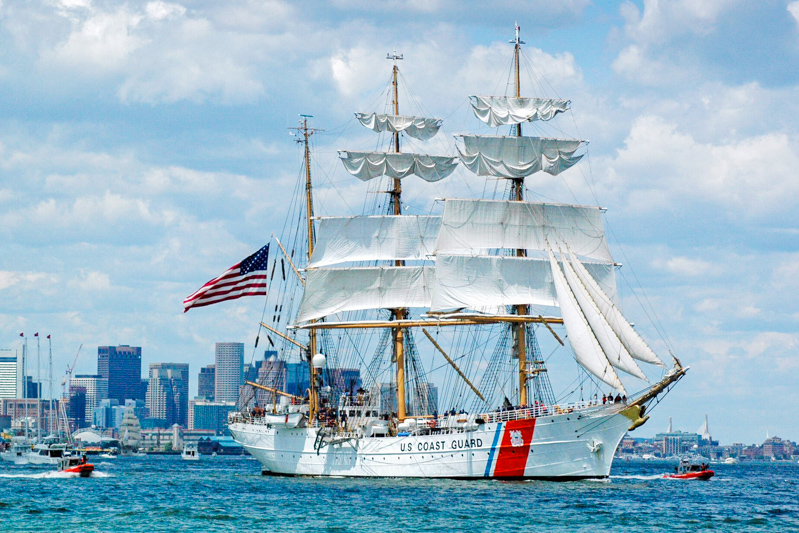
(520, 332)
(400, 313)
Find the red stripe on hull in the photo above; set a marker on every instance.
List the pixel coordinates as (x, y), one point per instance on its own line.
(515, 448)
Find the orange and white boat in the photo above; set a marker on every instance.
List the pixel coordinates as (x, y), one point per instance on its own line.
(76, 465)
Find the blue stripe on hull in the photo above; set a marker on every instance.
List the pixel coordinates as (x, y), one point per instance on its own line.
(490, 462)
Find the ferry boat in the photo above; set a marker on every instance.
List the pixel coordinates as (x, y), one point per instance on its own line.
(482, 280)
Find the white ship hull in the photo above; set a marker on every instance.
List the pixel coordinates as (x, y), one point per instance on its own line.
(566, 446)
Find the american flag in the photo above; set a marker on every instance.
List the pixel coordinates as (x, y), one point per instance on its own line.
(247, 278)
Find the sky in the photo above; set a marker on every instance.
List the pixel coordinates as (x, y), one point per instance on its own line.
(144, 149)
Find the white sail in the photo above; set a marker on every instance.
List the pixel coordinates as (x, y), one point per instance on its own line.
(481, 282)
(584, 344)
(374, 238)
(417, 127)
(517, 157)
(614, 350)
(473, 225)
(369, 165)
(635, 345)
(333, 290)
(504, 110)
(484, 281)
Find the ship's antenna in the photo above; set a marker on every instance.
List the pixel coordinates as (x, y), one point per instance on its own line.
(400, 313)
(306, 135)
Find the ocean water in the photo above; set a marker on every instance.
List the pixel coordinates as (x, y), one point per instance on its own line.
(165, 493)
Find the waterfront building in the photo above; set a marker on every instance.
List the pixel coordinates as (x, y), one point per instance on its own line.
(18, 409)
(10, 368)
(168, 393)
(205, 383)
(677, 442)
(96, 388)
(204, 414)
(228, 371)
(121, 366)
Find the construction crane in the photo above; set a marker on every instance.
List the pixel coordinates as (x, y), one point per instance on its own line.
(69, 373)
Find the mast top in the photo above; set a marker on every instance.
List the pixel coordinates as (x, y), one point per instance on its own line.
(395, 57)
(515, 40)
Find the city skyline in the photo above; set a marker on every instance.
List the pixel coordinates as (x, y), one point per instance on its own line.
(144, 150)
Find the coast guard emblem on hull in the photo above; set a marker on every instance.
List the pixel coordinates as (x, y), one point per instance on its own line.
(516, 439)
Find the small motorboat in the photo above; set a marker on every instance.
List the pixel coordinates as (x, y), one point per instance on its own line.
(75, 465)
(190, 453)
(690, 470)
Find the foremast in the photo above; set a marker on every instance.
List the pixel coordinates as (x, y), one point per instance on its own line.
(306, 132)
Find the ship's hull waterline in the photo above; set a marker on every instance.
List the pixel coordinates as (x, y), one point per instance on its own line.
(568, 446)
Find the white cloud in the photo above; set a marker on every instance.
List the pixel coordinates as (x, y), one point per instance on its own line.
(741, 177)
(91, 281)
(685, 266)
(793, 9)
(664, 20)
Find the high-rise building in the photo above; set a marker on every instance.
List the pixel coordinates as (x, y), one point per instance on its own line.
(121, 366)
(168, 393)
(298, 378)
(228, 374)
(210, 415)
(272, 374)
(9, 382)
(76, 410)
(96, 389)
(205, 382)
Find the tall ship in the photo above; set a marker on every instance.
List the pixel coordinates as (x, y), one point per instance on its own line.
(370, 307)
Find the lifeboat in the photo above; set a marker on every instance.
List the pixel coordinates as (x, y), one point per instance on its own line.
(76, 465)
(688, 470)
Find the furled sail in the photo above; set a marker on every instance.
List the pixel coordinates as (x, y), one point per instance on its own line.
(504, 110)
(333, 290)
(635, 345)
(374, 238)
(417, 127)
(517, 157)
(473, 225)
(369, 165)
(614, 350)
(479, 282)
(584, 344)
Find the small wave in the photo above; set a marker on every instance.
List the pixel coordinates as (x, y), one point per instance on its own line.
(640, 477)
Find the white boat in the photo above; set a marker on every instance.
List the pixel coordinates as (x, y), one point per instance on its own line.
(108, 456)
(488, 270)
(730, 461)
(17, 453)
(190, 453)
(49, 452)
(286, 420)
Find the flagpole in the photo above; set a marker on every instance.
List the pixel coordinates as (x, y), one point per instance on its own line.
(38, 389)
(25, 381)
(50, 391)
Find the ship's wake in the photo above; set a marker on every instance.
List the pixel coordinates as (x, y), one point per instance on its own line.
(53, 475)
